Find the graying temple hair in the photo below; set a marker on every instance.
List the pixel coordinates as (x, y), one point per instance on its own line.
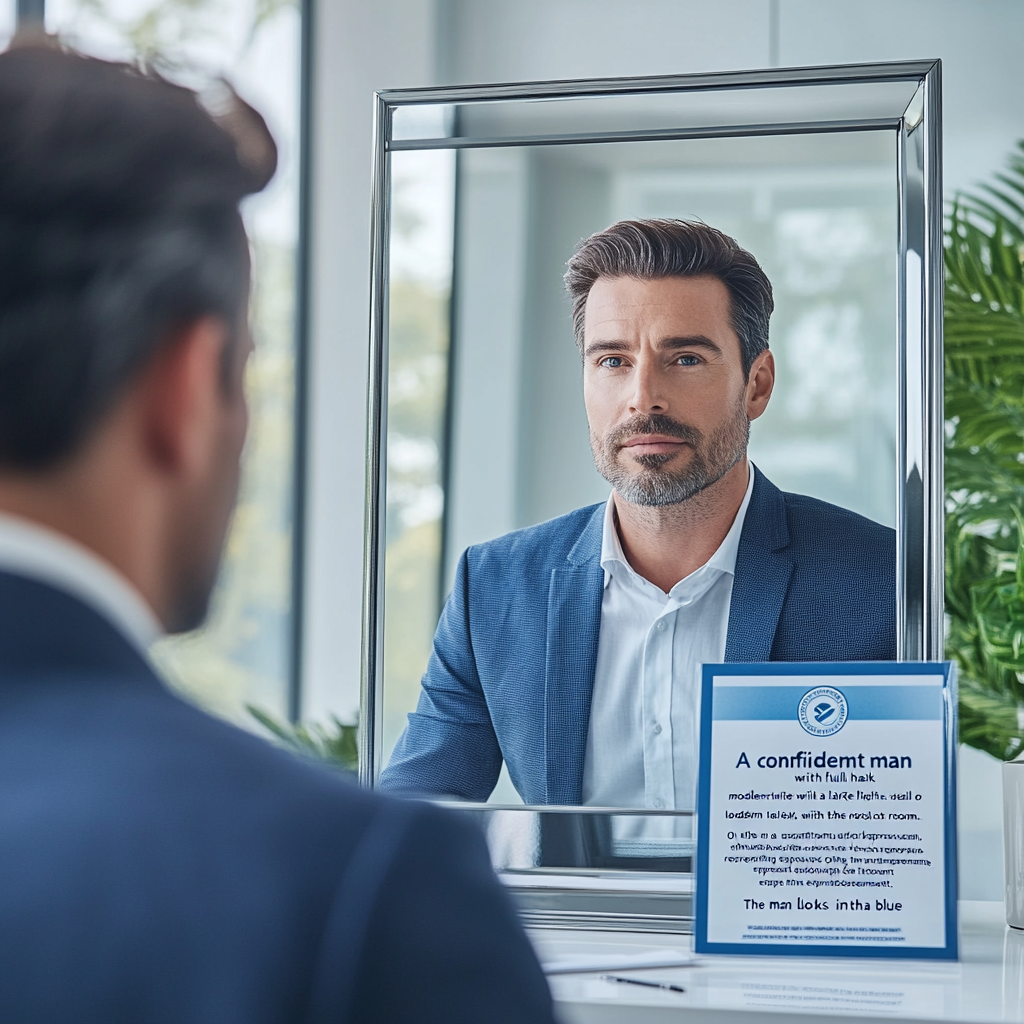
(662, 247)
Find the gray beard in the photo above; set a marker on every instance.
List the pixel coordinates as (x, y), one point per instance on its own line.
(652, 486)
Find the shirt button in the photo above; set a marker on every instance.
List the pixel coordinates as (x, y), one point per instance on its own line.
(659, 803)
(657, 730)
(661, 624)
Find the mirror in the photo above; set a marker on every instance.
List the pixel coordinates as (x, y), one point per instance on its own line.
(572, 867)
(549, 684)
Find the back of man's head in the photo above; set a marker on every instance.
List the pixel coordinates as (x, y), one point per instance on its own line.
(119, 224)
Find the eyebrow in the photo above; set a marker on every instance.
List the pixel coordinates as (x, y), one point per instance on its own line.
(692, 341)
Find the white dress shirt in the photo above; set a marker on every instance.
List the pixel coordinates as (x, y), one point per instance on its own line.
(645, 712)
(38, 553)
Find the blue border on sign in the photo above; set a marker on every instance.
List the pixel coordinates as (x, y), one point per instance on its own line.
(950, 951)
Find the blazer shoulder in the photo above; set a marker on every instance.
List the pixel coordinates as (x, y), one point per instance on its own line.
(547, 543)
(817, 524)
(193, 757)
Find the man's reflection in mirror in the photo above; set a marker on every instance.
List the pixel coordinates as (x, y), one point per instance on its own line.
(572, 650)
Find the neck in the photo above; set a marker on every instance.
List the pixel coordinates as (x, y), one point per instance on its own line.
(89, 502)
(665, 544)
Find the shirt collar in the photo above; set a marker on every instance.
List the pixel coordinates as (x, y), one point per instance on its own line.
(724, 558)
(38, 553)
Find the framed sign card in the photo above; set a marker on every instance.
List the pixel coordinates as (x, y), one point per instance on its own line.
(826, 810)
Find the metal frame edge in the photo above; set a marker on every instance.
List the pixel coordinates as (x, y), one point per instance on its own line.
(376, 405)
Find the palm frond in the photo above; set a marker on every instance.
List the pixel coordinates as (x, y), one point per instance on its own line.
(333, 744)
(984, 378)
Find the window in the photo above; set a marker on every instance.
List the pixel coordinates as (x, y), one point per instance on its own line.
(8, 17)
(243, 656)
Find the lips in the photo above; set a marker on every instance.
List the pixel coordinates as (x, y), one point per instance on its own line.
(653, 444)
(658, 437)
(649, 439)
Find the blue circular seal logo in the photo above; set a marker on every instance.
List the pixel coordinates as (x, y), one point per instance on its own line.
(822, 711)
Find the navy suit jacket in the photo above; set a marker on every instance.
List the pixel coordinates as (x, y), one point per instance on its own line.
(157, 865)
(512, 670)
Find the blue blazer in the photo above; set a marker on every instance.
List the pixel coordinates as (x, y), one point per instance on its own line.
(512, 670)
(158, 866)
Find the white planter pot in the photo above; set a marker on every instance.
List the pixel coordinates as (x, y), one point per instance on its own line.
(1013, 842)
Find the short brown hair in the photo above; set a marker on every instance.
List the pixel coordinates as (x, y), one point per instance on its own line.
(662, 247)
(119, 223)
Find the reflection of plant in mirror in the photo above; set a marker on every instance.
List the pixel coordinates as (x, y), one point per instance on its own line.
(984, 331)
(333, 743)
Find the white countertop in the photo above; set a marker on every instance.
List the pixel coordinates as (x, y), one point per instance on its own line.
(986, 985)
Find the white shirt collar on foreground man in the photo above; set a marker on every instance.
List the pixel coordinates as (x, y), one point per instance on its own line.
(38, 553)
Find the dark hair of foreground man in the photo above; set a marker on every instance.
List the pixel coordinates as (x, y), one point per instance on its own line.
(158, 865)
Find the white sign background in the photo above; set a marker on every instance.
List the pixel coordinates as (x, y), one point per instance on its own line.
(810, 841)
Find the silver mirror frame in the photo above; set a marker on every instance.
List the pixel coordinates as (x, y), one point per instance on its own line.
(919, 484)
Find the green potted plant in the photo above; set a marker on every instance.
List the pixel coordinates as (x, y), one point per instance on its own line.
(333, 743)
(984, 382)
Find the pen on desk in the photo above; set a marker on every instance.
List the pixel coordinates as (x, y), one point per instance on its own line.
(641, 981)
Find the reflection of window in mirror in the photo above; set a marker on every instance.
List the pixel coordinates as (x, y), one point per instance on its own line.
(824, 230)
(420, 283)
(818, 212)
(502, 431)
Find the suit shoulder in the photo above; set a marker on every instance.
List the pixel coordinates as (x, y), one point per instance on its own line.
(266, 790)
(804, 510)
(216, 761)
(141, 761)
(814, 523)
(550, 541)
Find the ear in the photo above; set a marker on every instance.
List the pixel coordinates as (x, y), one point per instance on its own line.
(760, 384)
(181, 393)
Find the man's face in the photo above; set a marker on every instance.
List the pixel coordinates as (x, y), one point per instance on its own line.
(668, 402)
(210, 499)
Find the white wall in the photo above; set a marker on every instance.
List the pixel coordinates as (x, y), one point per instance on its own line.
(979, 42)
(543, 39)
(367, 44)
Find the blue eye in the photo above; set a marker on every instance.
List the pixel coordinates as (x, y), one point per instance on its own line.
(612, 362)
(689, 360)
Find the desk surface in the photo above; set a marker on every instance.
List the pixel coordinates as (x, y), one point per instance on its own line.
(986, 985)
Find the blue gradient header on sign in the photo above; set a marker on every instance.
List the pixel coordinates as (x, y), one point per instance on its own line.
(866, 703)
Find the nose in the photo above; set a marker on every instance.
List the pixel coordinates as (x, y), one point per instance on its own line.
(648, 395)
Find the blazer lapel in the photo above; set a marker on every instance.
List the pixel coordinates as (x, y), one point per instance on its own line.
(574, 623)
(763, 572)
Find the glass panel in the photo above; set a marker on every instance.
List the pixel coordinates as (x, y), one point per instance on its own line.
(8, 20)
(818, 211)
(572, 868)
(242, 656)
(420, 280)
(856, 101)
(528, 842)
